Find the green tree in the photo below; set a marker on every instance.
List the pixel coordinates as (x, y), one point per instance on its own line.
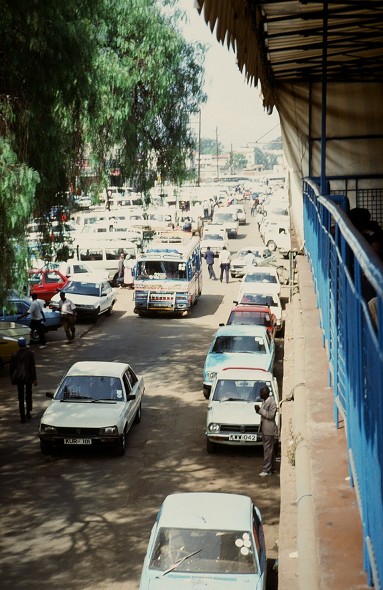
(80, 76)
(209, 146)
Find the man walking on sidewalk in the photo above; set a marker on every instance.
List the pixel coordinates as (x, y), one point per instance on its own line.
(224, 263)
(209, 257)
(22, 371)
(269, 429)
(68, 316)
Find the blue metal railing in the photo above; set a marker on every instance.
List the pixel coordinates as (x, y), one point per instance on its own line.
(342, 263)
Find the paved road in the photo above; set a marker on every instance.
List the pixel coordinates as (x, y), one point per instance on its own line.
(81, 520)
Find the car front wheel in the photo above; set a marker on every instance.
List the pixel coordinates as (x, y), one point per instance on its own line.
(45, 447)
(121, 445)
(206, 391)
(271, 245)
(137, 417)
(95, 315)
(210, 446)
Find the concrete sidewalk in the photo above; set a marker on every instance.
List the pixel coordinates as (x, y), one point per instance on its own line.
(320, 539)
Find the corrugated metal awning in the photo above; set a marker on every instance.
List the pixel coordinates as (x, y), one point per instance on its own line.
(277, 41)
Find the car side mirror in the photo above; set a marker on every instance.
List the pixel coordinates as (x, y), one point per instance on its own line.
(49, 394)
(131, 397)
(104, 294)
(236, 302)
(221, 324)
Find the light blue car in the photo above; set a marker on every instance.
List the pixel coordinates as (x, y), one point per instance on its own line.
(238, 346)
(16, 306)
(206, 540)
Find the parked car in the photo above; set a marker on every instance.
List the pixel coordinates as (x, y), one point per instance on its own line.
(46, 282)
(206, 540)
(250, 315)
(264, 297)
(262, 257)
(228, 218)
(231, 418)
(91, 299)
(265, 275)
(239, 346)
(277, 237)
(73, 269)
(95, 404)
(16, 306)
(215, 237)
(241, 213)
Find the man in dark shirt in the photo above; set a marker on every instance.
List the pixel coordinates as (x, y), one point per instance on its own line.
(22, 371)
(209, 257)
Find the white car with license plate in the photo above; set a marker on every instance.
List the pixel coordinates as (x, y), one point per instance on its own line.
(95, 404)
(206, 540)
(91, 298)
(231, 418)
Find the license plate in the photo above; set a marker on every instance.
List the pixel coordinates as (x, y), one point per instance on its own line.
(243, 437)
(77, 441)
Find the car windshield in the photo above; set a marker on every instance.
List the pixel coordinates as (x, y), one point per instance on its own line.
(77, 288)
(239, 390)
(260, 277)
(224, 344)
(223, 217)
(86, 387)
(213, 237)
(203, 551)
(259, 299)
(249, 318)
(161, 269)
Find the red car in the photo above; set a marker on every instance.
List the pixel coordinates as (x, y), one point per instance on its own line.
(260, 315)
(46, 283)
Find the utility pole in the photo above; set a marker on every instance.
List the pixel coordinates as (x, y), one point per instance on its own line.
(216, 139)
(231, 160)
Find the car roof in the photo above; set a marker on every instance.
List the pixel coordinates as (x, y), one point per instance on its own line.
(206, 510)
(97, 369)
(241, 330)
(251, 308)
(247, 373)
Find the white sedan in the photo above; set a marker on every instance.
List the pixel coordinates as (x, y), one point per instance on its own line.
(231, 418)
(95, 404)
(206, 540)
(259, 277)
(91, 299)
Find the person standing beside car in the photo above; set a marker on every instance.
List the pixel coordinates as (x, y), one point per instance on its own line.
(37, 319)
(224, 263)
(22, 371)
(68, 316)
(269, 429)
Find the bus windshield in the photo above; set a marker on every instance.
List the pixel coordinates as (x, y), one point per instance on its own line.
(161, 269)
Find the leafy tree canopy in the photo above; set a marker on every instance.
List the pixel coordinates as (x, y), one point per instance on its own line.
(209, 146)
(82, 77)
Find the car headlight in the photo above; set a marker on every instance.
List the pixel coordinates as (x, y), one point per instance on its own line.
(211, 374)
(109, 430)
(213, 427)
(48, 429)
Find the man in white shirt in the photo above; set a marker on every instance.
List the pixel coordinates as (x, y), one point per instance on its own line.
(224, 263)
(249, 259)
(68, 316)
(37, 318)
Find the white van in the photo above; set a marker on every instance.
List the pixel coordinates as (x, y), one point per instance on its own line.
(103, 254)
(228, 218)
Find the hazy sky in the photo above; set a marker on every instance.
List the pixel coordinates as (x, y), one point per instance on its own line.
(233, 107)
